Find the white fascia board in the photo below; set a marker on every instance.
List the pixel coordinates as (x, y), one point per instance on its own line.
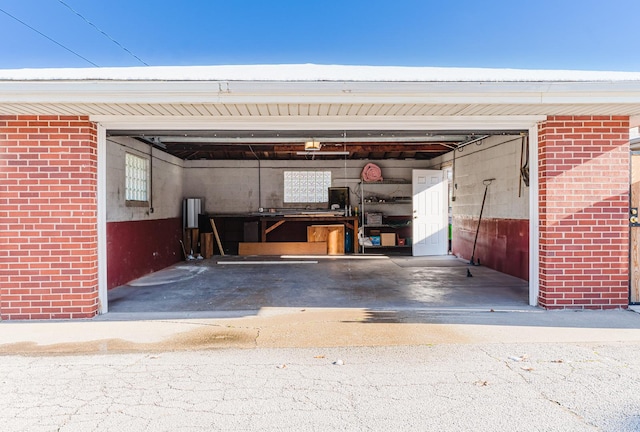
(103, 304)
(313, 72)
(319, 123)
(318, 92)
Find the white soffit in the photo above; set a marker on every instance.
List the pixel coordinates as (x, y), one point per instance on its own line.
(328, 92)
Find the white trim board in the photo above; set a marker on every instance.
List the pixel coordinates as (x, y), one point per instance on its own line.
(103, 304)
(320, 123)
(314, 72)
(534, 218)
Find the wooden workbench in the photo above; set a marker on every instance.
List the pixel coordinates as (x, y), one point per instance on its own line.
(271, 223)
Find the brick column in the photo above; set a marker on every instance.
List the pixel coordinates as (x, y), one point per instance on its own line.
(48, 217)
(584, 204)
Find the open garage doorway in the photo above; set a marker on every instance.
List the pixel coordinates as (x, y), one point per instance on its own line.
(240, 176)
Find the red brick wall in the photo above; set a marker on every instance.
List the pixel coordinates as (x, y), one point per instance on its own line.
(584, 204)
(48, 217)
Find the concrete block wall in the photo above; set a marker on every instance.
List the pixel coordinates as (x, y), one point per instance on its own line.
(496, 157)
(48, 217)
(166, 185)
(503, 235)
(236, 186)
(584, 205)
(139, 240)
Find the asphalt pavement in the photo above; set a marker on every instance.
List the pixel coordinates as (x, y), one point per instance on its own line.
(357, 371)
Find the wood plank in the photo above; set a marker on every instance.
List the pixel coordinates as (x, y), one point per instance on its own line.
(206, 245)
(282, 248)
(274, 226)
(215, 231)
(311, 215)
(634, 263)
(277, 221)
(333, 235)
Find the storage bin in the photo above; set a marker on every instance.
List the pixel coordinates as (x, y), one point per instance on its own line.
(374, 218)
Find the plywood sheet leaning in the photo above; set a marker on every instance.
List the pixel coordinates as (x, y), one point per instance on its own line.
(333, 235)
(282, 248)
(215, 232)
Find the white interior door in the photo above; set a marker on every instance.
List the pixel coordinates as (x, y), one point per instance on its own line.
(429, 213)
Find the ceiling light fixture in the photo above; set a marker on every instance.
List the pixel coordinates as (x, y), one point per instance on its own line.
(312, 145)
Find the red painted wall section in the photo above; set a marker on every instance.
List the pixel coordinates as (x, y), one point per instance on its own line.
(503, 244)
(584, 204)
(138, 248)
(48, 217)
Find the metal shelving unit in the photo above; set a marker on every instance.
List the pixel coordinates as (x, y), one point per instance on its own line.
(367, 203)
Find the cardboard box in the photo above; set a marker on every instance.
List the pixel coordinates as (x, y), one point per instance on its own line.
(388, 239)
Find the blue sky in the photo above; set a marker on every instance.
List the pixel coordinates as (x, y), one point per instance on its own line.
(583, 35)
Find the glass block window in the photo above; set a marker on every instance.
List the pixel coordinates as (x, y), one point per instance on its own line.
(306, 186)
(136, 177)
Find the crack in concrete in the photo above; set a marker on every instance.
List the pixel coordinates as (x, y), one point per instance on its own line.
(255, 340)
(244, 389)
(570, 411)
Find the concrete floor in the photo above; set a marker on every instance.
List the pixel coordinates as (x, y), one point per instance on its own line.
(225, 284)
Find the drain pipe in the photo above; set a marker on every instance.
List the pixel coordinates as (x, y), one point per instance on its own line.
(150, 197)
(259, 178)
(486, 184)
(453, 178)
